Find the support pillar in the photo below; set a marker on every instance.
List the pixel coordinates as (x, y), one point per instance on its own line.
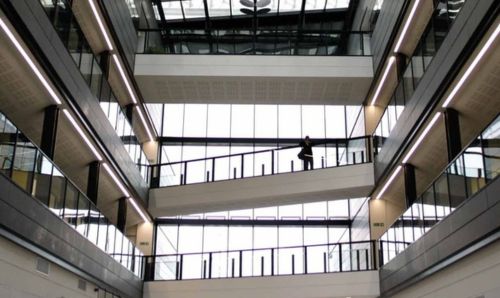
(410, 184)
(122, 215)
(453, 139)
(105, 63)
(49, 132)
(93, 181)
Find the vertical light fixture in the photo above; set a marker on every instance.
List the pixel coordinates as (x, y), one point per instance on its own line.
(30, 62)
(382, 81)
(82, 134)
(393, 176)
(471, 67)
(406, 26)
(101, 24)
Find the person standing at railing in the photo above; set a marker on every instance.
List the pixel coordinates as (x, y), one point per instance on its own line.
(306, 153)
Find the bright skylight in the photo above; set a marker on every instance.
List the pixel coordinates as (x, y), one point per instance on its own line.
(189, 9)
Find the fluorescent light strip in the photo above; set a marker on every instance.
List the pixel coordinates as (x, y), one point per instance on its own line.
(474, 63)
(382, 81)
(124, 78)
(30, 62)
(82, 134)
(144, 123)
(396, 172)
(118, 182)
(421, 138)
(136, 207)
(101, 25)
(407, 25)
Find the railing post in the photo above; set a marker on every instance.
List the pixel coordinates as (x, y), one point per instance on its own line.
(180, 267)
(242, 166)
(354, 158)
(241, 263)
(305, 259)
(324, 261)
(208, 176)
(262, 266)
(234, 173)
(293, 264)
(337, 152)
(272, 162)
(204, 269)
(182, 179)
(367, 261)
(232, 267)
(291, 165)
(322, 162)
(185, 172)
(357, 259)
(177, 270)
(272, 261)
(340, 257)
(210, 265)
(262, 169)
(213, 169)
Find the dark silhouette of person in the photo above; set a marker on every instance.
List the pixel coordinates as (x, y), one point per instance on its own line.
(306, 145)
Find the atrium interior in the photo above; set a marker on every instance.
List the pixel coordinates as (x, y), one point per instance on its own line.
(249, 148)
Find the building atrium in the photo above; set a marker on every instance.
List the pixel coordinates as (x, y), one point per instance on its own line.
(249, 148)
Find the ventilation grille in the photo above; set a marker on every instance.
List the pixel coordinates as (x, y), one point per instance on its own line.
(42, 266)
(82, 285)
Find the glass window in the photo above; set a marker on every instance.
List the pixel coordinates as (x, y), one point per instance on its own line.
(41, 183)
(173, 120)
(24, 164)
(71, 204)
(195, 124)
(57, 191)
(266, 121)
(313, 121)
(82, 215)
(289, 121)
(242, 121)
(491, 149)
(218, 120)
(335, 121)
(442, 196)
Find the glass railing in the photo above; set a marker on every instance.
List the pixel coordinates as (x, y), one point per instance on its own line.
(62, 18)
(321, 258)
(327, 154)
(250, 42)
(28, 167)
(427, 47)
(473, 169)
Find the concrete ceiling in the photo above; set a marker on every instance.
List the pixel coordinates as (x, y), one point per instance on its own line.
(253, 79)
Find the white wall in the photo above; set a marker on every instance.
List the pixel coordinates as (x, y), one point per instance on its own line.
(19, 278)
(352, 181)
(476, 276)
(349, 284)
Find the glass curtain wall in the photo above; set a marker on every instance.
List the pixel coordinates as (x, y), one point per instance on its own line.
(250, 239)
(36, 174)
(427, 47)
(477, 165)
(62, 18)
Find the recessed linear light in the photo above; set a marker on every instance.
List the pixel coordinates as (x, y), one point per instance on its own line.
(473, 65)
(406, 26)
(136, 207)
(144, 123)
(393, 176)
(382, 81)
(101, 25)
(82, 134)
(124, 78)
(117, 182)
(422, 136)
(30, 62)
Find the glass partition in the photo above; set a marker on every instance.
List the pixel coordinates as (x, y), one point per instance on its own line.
(61, 16)
(28, 167)
(427, 47)
(463, 177)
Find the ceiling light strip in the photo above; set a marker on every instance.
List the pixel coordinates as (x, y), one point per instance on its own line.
(473, 65)
(144, 123)
(393, 176)
(136, 207)
(406, 26)
(82, 134)
(117, 181)
(30, 62)
(101, 25)
(124, 78)
(382, 81)
(422, 136)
